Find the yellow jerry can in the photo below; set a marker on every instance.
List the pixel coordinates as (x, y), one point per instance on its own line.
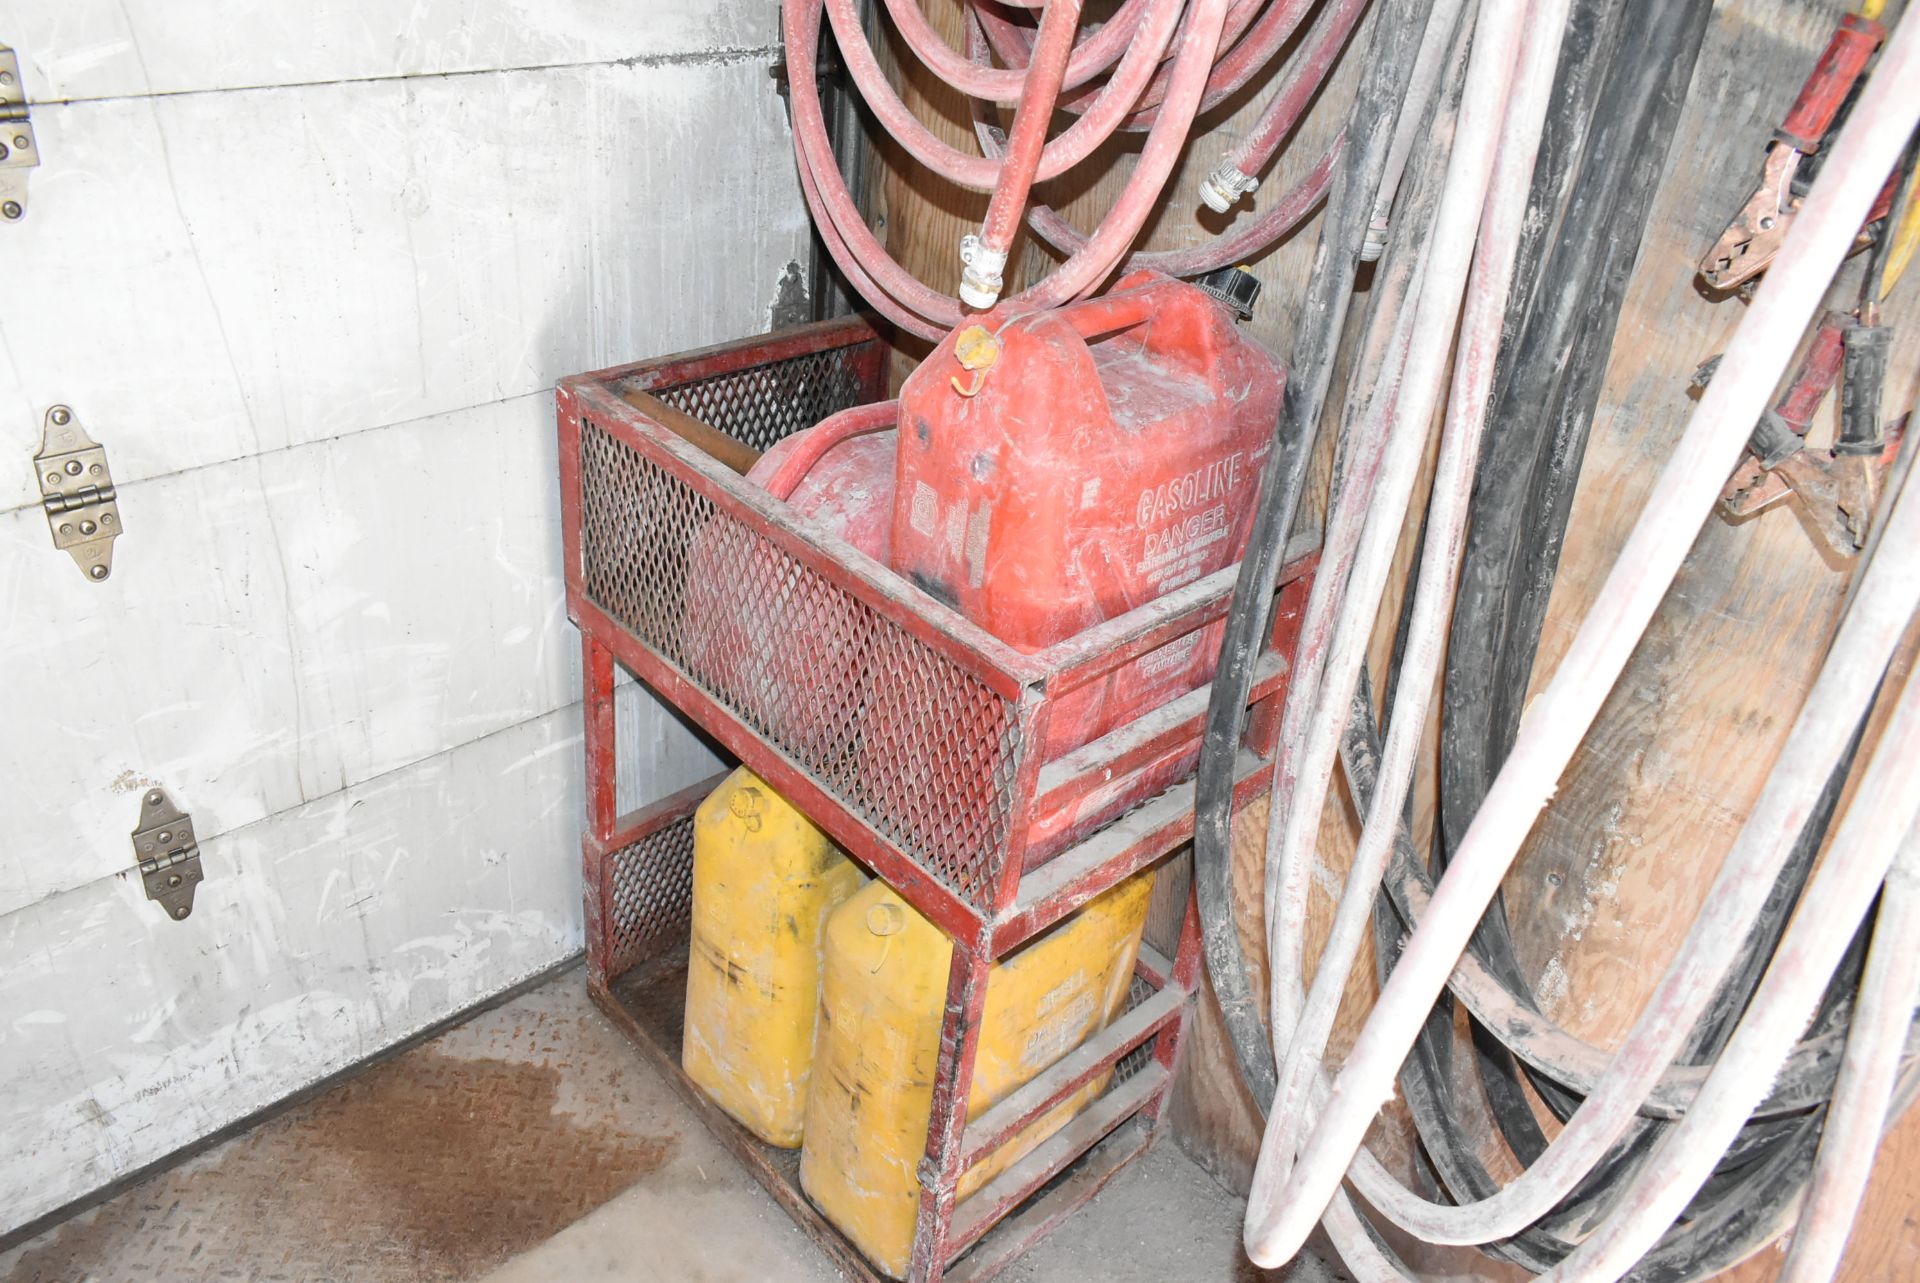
(882, 994)
(765, 881)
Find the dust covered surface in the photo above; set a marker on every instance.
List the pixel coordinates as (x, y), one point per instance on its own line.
(437, 1165)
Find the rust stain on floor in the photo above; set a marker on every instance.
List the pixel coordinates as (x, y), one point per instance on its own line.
(430, 1167)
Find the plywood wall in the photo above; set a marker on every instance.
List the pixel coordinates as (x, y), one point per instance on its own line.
(308, 272)
(1608, 882)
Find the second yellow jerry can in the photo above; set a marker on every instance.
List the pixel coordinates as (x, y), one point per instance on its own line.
(882, 993)
(765, 881)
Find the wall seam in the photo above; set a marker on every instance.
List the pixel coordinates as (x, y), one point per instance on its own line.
(292, 446)
(239, 829)
(725, 56)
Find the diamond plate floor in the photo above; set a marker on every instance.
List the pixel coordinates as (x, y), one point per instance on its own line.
(436, 1167)
(532, 1145)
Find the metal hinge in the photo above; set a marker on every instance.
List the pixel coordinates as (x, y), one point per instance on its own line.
(168, 855)
(19, 149)
(77, 492)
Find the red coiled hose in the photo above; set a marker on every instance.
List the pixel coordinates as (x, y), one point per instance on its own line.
(1163, 63)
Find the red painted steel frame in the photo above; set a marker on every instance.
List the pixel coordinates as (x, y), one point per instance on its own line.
(982, 926)
(596, 669)
(1029, 682)
(955, 1142)
(984, 1247)
(939, 1172)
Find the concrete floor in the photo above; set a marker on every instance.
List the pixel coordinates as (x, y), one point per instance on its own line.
(531, 1144)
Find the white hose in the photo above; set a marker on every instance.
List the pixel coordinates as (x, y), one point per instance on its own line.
(1880, 820)
(1429, 63)
(1453, 484)
(1864, 1089)
(1559, 717)
(1449, 257)
(1363, 435)
(1840, 696)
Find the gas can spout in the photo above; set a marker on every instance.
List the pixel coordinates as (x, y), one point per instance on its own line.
(976, 349)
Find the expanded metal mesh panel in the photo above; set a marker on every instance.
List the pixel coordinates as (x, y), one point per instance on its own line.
(1137, 1059)
(906, 739)
(649, 905)
(764, 403)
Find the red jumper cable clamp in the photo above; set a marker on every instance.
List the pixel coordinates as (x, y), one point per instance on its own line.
(1753, 237)
(1835, 490)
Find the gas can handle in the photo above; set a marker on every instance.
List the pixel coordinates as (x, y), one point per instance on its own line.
(1189, 336)
(1112, 312)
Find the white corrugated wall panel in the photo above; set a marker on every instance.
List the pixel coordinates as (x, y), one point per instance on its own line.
(308, 273)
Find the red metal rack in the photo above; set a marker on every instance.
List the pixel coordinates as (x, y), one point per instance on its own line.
(900, 729)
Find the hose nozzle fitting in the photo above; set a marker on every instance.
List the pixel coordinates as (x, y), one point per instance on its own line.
(1224, 186)
(981, 272)
(1376, 242)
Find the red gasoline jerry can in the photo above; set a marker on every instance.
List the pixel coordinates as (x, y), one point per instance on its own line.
(1058, 469)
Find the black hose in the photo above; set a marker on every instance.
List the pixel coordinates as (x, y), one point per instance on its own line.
(1765, 1148)
(1640, 93)
(1617, 99)
(1755, 1188)
(1554, 359)
(1322, 318)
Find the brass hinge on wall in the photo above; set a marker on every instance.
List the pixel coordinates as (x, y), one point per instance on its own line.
(168, 854)
(19, 149)
(77, 491)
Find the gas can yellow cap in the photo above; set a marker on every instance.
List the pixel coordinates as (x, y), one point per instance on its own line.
(884, 919)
